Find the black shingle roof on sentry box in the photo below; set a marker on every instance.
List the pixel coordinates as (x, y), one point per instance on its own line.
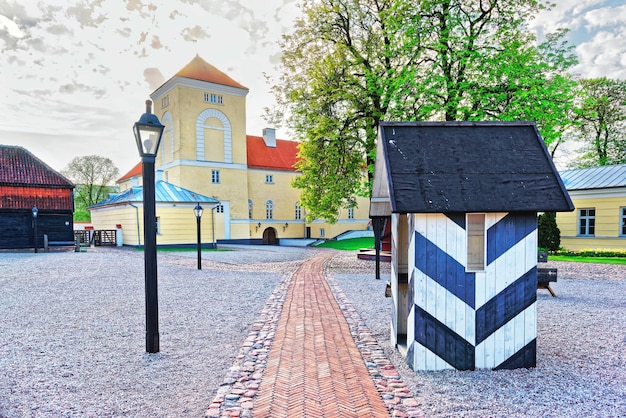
(443, 167)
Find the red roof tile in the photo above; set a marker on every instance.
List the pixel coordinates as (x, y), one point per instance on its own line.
(18, 167)
(199, 69)
(281, 157)
(134, 172)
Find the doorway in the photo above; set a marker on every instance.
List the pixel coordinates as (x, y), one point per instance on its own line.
(269, 237)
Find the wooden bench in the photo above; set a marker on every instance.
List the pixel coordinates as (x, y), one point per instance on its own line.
(47, 244)
(545, 275)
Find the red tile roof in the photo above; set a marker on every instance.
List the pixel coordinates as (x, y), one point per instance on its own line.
(281, 157)
(18, 167)
(134, 172)
(199, 69)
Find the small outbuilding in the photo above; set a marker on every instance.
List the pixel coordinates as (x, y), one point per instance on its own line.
(26, 183)
(463, 200)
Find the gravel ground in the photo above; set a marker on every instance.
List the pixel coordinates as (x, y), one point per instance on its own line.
(72, 329)
(581, 349)
(72, 336)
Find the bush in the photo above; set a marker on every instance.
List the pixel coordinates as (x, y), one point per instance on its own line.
(548, 232)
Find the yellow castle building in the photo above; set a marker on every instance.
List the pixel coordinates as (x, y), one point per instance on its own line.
(243, 181)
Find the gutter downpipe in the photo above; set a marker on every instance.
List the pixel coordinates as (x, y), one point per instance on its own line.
(137, 218)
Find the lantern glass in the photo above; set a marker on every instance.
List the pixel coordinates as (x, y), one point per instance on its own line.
(148, 132)
(198, 211)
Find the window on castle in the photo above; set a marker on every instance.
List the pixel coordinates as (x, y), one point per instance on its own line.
(322, 232)
(269, 179)
(213, 98)
(219, 208)
(269, 209)
(215, 176)
(587, 222)
(298, 209)
(350, 213)
(165, 101)
(249, 208)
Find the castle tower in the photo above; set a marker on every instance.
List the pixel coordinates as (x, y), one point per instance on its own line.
(204, 142)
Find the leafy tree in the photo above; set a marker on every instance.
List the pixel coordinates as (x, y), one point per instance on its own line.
(94, 177)
(350, 64)
(602, 121)
(549, 234)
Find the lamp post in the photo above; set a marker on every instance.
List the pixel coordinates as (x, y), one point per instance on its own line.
(35, 212)
(198, 212)
(148, 131)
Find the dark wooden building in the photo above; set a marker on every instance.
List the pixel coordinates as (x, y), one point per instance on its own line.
(27, 182)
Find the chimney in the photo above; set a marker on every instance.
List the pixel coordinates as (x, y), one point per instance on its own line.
(269, 137)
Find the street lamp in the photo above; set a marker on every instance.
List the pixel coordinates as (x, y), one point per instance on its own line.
(35, 212)
(148, 131)
(198, 212)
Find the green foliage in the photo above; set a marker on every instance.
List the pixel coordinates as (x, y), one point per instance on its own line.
(548, 232)
(94, 177)
(350, 64)
(81, 214)
(601, 117)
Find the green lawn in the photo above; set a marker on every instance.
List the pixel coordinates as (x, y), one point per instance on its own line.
(349, 244)
(579, 259)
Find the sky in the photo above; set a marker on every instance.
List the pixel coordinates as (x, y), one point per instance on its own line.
(74, 74)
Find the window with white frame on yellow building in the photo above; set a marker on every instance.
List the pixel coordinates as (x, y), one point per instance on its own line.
(587, 222)
(269, 209)
(215, 176)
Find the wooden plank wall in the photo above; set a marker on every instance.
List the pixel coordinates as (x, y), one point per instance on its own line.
(16, 228)
(466, 320)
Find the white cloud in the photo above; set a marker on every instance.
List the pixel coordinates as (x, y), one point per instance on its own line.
(11, 27)
(107, 56)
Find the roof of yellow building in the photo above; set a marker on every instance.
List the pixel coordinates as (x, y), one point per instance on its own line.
(281, 157)
(199, 69)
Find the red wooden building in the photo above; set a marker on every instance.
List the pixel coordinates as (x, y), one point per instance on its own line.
(27, 182)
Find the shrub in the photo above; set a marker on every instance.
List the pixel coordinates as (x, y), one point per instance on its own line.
(548, 232)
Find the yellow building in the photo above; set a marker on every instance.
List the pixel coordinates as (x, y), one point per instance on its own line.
(599, 221)
(205, 149)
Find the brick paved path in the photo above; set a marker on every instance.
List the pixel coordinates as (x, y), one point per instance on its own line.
(314, 367)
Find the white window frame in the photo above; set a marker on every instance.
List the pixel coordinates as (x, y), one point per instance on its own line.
(250, 206)
(269, 209)
(585, 215)
(269, 179)
(215, 177)
(622, 221)
(298, 211)
(322, 232)
(350, 213)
